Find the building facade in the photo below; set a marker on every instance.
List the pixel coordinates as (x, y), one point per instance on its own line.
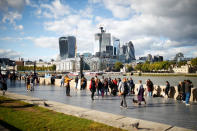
(67, 46)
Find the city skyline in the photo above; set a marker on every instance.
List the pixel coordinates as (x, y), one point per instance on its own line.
(30, 29)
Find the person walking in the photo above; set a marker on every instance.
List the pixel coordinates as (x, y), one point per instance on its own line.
(67, 82)
(62, 81)
(4, 86)
(76, 82)
(92, 87)
(28, 83)
(96, 85)
(149, 85)
(32, 83)
(141, 93)
(132, 86)
(100, 86)
(106, 85)
(188, 86)
(123, 91)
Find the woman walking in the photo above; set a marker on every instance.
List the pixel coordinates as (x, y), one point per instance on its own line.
(92, 87)
(141, 93)
(167, 88)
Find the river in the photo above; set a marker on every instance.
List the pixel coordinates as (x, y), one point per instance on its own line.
(157, 80)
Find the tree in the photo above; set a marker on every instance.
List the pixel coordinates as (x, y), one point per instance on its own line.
(129, 68)
(138, 67)
(194, 62)
(118, 66)
(53, 67)
(181, 63)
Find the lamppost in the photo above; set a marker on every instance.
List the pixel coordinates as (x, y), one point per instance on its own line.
(34, 68)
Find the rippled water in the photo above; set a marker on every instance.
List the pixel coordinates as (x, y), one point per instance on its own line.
(157, 80)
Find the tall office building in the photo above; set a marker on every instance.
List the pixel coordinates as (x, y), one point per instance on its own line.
(179, 57)
(104, 40)
(67, 47)
(130, 52)
(116, 45)
(127, 51)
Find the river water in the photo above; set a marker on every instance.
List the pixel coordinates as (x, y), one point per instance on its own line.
(157, 80)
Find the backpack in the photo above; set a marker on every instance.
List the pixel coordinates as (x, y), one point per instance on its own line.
(126, 88)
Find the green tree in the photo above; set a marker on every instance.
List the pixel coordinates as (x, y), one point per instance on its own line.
(181, 63)
(194, 62)
(138, 67)
(129, 68)
(118, 66)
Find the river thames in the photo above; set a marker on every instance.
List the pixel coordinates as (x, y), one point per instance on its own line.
(157, 80)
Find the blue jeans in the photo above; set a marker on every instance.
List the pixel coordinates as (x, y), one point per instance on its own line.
(187, 98)
(150, 93)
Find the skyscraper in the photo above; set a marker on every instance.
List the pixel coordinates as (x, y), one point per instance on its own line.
(104, 40)
(130, 52)
(116, 44)
(67, 47)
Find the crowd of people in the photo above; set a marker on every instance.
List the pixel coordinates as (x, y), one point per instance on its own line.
(126, 87)
(30, 81)
(108, 86)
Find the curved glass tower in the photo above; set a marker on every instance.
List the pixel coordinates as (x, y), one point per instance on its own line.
(67, 47)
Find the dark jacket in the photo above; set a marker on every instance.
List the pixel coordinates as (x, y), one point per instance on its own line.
(188, 87)
(93, 86)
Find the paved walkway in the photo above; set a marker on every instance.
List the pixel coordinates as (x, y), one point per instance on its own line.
(159, 110)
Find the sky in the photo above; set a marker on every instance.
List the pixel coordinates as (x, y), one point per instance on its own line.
(30, 28)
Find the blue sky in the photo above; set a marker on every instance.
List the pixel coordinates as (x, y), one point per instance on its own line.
(30, 28)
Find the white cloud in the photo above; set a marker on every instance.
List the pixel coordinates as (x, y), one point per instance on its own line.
(54, 10)
(11, 17)
(46, 42)
(9, 54)
(17, 5)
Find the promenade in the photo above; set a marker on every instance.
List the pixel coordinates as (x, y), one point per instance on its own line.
(167, 111)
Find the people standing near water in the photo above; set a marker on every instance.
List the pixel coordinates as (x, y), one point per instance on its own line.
(28, 83)
(96, 85)
(4, 85)
(92, 87)
(67, 84)
(100, 86)
(76, 82)
(188, 86)
(62, 81)
(132, 86)
(149, 85)
(32, 83)
(123, 91)
(140, 95)
(106, 85)
(167, 88)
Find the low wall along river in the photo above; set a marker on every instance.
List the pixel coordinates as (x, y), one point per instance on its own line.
(172, 94)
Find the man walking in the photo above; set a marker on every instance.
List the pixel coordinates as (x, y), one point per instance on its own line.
(92, 87)
(123, 91)
(76, 82)
(188, 86)
(67, 82)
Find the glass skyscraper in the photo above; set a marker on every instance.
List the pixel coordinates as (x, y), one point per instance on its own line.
(67, 47)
